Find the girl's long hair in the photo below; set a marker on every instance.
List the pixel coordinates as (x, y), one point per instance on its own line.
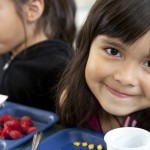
(127, 20)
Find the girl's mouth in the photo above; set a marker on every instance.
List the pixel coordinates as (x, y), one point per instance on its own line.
(118, 93)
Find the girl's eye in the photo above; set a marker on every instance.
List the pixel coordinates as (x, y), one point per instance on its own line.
(147, 63)
(113, 52)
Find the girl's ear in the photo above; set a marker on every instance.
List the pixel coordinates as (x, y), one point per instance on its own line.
(33, 10)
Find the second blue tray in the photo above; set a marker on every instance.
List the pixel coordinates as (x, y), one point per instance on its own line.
(63, 140)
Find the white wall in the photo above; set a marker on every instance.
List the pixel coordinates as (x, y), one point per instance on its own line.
(83, 7)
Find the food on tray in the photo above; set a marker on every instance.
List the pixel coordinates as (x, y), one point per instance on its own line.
(31, 129)
(76, 143)
(90, 146)
(99, 147)
(14, 128)
(84, 144)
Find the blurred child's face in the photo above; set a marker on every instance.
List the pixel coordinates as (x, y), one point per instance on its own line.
(11, 28)
(119, 74)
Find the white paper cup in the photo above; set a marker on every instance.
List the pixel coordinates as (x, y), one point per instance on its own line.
(127, 138)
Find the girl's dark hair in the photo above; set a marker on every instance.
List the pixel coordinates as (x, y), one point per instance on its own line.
(127, 20)
(57, 20)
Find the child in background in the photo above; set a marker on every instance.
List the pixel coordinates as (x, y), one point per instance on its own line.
(34, 42)
(107, 83)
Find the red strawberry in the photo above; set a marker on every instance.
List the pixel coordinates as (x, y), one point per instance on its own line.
(2, 137)
(13, 118)
(1, 130)
(14, 128)
(25, 118)
(5, 132)
(25, 125)
(5, 118)
(14, 134)
(14, 125)
(31, 130)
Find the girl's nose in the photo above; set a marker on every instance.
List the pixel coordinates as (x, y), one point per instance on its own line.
(126, 75)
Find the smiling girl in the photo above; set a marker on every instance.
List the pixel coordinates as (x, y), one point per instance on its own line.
(107, 82)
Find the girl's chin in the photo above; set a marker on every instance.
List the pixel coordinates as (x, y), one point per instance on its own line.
(118, 112)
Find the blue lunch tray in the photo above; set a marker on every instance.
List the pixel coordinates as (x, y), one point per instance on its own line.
(41, 119)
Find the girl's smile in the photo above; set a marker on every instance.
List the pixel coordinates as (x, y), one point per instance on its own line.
(117, 93)
(118, 74)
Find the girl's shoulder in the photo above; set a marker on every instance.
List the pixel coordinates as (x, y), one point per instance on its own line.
(49, 46)
(45, 49)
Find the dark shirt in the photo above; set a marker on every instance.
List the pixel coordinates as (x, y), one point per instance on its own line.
(30, 76)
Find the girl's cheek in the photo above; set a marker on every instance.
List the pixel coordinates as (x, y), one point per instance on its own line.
(146, 88)
(96, 71)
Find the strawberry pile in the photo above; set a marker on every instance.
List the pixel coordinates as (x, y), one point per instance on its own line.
(14, 128)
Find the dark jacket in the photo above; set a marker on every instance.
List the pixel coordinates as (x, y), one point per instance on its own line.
(31, 76)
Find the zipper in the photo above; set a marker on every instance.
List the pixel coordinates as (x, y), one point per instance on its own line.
(8, 63)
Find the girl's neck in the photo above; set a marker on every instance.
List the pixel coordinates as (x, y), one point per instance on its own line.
(29, 42)
(109, 122)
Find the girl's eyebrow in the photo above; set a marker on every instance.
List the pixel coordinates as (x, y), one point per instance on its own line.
(118, 44)
(115, 43)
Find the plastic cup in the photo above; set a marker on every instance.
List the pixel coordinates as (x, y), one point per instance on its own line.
(127, 138)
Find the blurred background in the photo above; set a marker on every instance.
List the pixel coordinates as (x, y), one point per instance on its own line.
(83, 7)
